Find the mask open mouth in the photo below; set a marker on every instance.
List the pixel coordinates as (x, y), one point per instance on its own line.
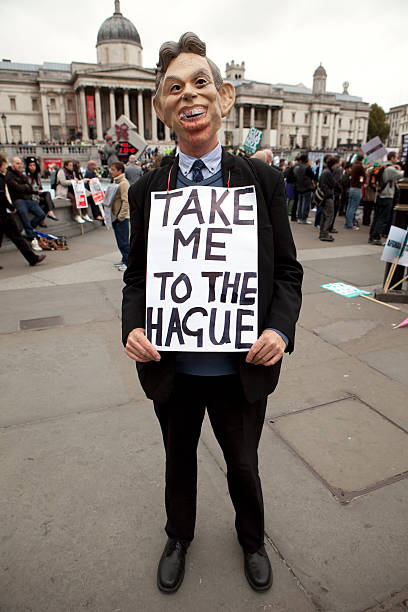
(193, 113)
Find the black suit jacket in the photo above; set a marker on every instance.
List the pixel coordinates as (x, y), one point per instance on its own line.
(279, 273)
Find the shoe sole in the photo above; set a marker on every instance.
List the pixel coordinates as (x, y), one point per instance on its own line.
(169, 590)
(256, 587)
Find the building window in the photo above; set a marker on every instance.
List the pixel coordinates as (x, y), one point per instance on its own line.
(325, 118)
(304, 142)
(338, 142)
(35, 105)
(293, 117)
(349, 141)
(53, 104)
(70, 105)
(339, 123)
(13, 105)
(37, 133)
(292, 139)
(351, 123)
(55, 132)
(306, 117)
(228, 138)
(324, 142)
(16, 133)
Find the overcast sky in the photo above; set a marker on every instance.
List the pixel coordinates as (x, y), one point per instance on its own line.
(364, 42)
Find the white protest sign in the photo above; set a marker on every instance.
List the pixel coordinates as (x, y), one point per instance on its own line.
(393, 246)
(80, 194)
(96, 190)
(109, 197)
(202, 270)
(374, 149)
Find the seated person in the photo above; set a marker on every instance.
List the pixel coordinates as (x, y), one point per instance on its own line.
(33, 174)
(20, 193)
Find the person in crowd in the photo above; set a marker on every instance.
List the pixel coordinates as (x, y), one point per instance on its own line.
(318, 174)
(289, 183)
(356, 180)
(304, 182)
(345, 186)
(337, 174)
(316, 170)
(110, 150)
(120, 213)
(327, 184)
(385, 196)
(282, 165)
(20, 193)
(293, 214)
(264, 155)
(90, 174)
(369, 195)
(233, 388)
(133, 171)
(8, 226)
(80, 177)
(65, 190)
(33, 174)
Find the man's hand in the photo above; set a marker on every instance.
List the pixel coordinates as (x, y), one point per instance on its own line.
(139, 348)
(267, 350)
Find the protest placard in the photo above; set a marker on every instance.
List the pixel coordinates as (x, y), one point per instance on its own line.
(252, 140)
(96, 190)
(80, 194)
(393, 245)
(109, 197)
(202, 270)
(374, 149)
(348, 291)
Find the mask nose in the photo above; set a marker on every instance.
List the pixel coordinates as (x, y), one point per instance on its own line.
(189, 92)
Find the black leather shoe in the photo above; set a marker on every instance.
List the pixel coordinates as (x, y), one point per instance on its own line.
(170, 572)
(258, 570)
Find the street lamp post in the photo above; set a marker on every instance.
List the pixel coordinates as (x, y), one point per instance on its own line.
(4, 119)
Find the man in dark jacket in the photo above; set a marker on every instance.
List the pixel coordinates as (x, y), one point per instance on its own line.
(8, 226)
(20, 193)
(304, 186)
(328, 185)
(191, 98)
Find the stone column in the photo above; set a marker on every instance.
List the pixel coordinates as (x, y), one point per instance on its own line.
(98, 113)
(335, 131)
(112, 107)
(252, 117)
(312, 129)
(319, 131)
(140, 118)
(154, 121)
(46, 121)
(241, 124)
(84, 120)
(167, 136)
(268, 126)
(64, 133)
(126, 109)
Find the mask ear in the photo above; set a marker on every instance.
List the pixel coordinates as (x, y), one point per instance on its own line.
(158, 109)
(227, 97)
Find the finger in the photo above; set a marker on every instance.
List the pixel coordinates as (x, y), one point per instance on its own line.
(148, 347)
(274, 360)
(138, 341)
(135, 357)
(255, 348)
(265, 353)
(138, 352)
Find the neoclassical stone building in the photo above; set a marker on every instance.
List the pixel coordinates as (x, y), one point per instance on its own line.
(56, 102)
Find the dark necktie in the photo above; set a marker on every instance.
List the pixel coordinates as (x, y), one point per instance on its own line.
(196, 168)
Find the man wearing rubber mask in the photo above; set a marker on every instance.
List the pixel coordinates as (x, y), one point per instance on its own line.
(191, 98)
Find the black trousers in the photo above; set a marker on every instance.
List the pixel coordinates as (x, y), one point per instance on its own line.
(9, 228)
(382, 211)
(237, 425)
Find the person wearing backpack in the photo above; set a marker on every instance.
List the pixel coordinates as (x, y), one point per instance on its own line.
(386, 179)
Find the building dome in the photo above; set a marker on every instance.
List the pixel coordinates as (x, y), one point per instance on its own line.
(118, 41)
(320, 71)
(118, 27)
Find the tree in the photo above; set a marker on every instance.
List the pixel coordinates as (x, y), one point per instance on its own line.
(377, 125)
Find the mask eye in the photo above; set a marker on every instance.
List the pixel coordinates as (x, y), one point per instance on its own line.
(201, 82)
(175, 88)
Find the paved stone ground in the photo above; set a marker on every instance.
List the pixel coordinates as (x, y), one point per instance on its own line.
(82, 462)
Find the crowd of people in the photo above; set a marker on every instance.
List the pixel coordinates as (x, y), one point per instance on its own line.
(338, 189)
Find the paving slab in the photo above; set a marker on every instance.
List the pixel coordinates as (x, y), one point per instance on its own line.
(360, 271)
(392, 362)
(84, 523)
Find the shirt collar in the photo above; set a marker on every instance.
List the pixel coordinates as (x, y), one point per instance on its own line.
(212, 160)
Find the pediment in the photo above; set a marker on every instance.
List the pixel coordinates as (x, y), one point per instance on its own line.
(121, 72)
